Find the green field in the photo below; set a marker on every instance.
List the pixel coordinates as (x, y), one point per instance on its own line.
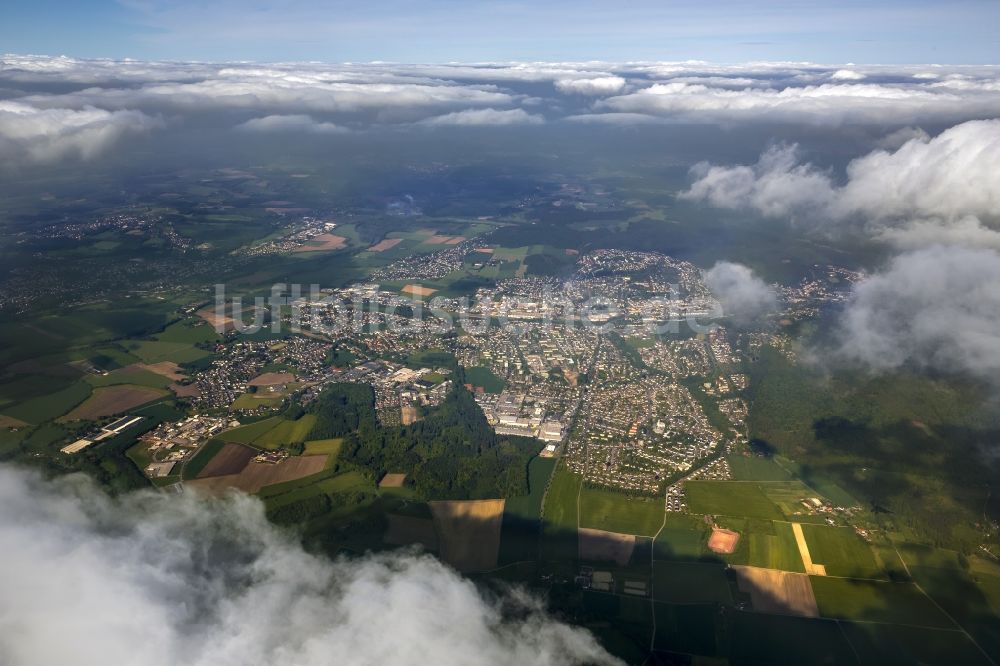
(897, 645)
(759, 639)
(774, 548)
(189, 331)
(615, 512)
(841, 551)
(248, 433)
(154, 351)
(730, 498)
(623, 624)
(482, 376)
(788, 496)
(282, 494)
(272, 433)
(691, 582)
(876, 601)
(48, 407)
(756, 468)
(688, 628)
(127, 375)
(110, 357)
(521, 529)
(559, 533)
(10, 440)
(329, 447)
(678, 543)
(193, 467)
(529, 507)
(286, 432)
(683, 537)
(253, 401)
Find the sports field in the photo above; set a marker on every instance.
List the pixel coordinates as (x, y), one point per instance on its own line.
(723, 541)
(417, 290)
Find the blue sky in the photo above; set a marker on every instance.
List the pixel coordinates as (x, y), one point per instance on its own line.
(872, 31)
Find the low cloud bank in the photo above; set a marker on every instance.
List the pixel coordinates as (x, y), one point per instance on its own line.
(926, 190)
(935, 308)
(290, 123)
(45, 135)
(743, 295)
(361, 95)
(473, 117)
(163, 579)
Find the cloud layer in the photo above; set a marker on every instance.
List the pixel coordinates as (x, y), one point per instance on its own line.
(156, 578)
(362, 95)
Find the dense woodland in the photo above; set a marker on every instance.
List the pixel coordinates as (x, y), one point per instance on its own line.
(452, 453)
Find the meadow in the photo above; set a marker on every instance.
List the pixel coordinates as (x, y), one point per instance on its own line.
(560, 516)
(729, 498)
(617, 512)
(841, 551)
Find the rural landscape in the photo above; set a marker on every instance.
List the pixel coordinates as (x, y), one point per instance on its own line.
(556, 362)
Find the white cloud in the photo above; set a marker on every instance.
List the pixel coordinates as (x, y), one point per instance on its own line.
(283, 94)
(847, 75)
(161, 579)
(895, 140)
(600, 86)
(405, 93)
(290, 123)
(486, 117)
(814, 103)
(615, 119)
(940, 181)
(936, 308)
(968, 231)
(778, 185)
(45, 135)
(742, 294)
